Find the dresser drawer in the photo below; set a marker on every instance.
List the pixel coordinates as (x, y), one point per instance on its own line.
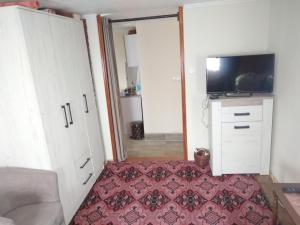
(85, 169)
(242, 113)
(241, 147)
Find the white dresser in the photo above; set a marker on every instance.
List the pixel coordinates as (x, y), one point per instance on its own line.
(240, 135)
(48, 112)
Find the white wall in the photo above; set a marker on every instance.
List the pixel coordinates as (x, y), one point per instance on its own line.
(217, 28)
(159, 59)
(285, 42)
(94, 45)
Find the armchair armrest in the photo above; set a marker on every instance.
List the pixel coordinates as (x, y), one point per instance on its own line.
(6, 221)
(20, 186)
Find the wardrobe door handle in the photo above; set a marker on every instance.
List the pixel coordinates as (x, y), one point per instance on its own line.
(70, 113)
(241, 127)
(86, 104)
(242, 114)
(66, 118)
(84, 164)
(87, 180)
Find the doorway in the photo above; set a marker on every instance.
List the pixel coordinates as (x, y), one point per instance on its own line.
(150, 68)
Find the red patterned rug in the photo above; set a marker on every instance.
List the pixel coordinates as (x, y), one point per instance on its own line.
(172, 193)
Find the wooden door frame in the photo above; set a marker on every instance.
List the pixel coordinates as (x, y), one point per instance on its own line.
(183, 91)
(107, 91)
(106, 85)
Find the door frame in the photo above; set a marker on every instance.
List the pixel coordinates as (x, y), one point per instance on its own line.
(106, 85)
(183, 86)
(183, 91)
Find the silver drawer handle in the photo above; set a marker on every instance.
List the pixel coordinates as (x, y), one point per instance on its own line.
(87, 180)
(84, 164)
(241, 127)
(242, 114)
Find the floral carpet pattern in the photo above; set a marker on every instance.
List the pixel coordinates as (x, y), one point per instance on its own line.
(172, 193)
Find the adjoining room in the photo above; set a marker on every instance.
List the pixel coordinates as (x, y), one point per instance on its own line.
(148, 69)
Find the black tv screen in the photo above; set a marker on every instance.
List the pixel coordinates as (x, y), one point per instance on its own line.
(240, 74)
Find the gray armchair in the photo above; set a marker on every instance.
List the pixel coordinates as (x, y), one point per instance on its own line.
(29, 197)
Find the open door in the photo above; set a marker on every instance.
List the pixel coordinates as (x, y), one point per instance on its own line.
(112, 87)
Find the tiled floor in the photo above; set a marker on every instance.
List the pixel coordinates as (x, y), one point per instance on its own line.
(154, 148)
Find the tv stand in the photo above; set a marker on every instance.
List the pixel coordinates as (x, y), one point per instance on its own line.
(240, 135)
(239, 95)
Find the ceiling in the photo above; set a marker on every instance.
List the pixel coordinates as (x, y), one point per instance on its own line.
(118, 8)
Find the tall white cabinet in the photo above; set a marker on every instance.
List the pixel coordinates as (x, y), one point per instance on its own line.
(48, 112)
(240, 135)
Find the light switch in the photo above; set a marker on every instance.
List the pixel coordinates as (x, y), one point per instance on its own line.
(176, 78)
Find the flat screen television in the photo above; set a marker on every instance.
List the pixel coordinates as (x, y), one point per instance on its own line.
(240, 74)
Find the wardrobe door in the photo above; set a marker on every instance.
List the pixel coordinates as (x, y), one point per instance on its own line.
(51, 96)
(22, 141)
(65, 49)
(88, 107)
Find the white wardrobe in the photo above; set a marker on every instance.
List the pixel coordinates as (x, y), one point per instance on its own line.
(48, 113)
